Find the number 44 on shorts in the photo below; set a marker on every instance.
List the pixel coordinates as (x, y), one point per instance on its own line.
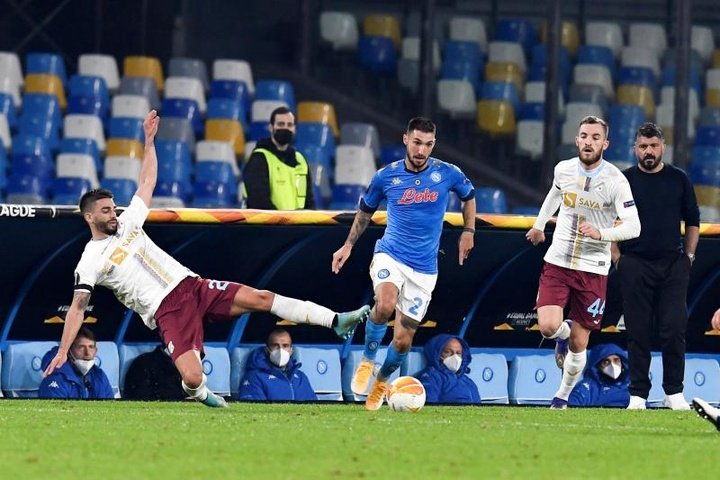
(597, 307)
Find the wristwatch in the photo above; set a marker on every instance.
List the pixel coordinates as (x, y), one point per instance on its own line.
(691, 256)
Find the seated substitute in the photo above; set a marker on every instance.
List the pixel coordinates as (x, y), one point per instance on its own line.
(445, 378)
(79, 377)
(605, 381)
(153, 376)
(271, 373)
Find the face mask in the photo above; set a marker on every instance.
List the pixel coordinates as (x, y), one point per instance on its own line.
(283, 136)
(453, 362)
(280, 357)
(612, 370)
(83, 366)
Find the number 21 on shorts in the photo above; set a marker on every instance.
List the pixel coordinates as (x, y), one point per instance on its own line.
(597, 307)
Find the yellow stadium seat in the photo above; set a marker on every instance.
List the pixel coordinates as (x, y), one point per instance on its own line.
(124, 147)
(669, 134)
(712, 97)
(569, 36)
(46, 84)
(637, 95)
(496, 117)
(318, 112)
(224, 130)
(504, 72)
(139, 66)
(716, 58)
(378, 25)
(707, 195)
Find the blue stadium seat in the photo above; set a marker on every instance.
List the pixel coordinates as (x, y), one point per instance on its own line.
(517, 30)
(122, 188)
(597, 55)
(706, 155)
(88, 95)
(702, 379)
(462, 70)
(143, 86)
(127, 128)
(490, 200)
(7, 107)
(705, 171)
(21, 368)
(667, 79)
(238, 358)
(184, 108)
(229, 109)
(708, 135)
(506, 91)
(465, 52)
(345, 197)
(539, 62)
(216, 366)
(489, 371)
(182, 189)
(3, 169)
(86, 146)
(29, 189)
(322, 367)
(637, 76)
(212, 195)
(414, 362)
(392, 153)
(177, 129)
(107, 359)
(619, 151)
(363, 134)
(351, 363)
(526, 210)
(68, 190)
(215, 171)
(315, 134)
(48, 63)
(533, 379)
(258, 130)
(276, 90)
(377, 54)
(626, 117)
(532, 111)
(127, 353)
(232, 89)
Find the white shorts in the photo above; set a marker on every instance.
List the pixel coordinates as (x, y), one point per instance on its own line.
(415, 288)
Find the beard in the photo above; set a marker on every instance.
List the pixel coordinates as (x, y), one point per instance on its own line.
(417, 163)
(589, 158)
(107, 228)
(650, 163)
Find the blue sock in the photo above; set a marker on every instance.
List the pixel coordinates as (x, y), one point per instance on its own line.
(374, 334)
(392, 362)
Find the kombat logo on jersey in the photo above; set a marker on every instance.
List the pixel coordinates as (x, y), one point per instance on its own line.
(411, 196)
(569, 199)
(396, 181)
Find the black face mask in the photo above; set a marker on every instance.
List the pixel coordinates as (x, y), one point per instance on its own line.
(283, 136)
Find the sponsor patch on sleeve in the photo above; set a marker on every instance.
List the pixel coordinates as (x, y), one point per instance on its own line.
(629, 203)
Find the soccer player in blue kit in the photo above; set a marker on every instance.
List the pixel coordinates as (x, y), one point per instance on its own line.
(404, 265)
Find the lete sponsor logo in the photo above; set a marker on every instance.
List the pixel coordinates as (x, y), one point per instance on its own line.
(411, 196)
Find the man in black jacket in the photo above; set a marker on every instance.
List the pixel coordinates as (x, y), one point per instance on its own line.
(153, 376)
(654, 269)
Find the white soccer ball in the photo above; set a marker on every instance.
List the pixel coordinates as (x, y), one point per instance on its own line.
(406, 394)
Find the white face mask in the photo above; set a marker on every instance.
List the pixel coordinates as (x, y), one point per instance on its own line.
(453, 362)
(83, 366)
(612, 370)
(280, 357)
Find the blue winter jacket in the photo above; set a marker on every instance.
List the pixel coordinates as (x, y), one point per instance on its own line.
(597, 389)
(66, 382)
(265, 381)
(442, 385)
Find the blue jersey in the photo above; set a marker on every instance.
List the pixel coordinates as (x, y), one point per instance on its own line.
(416, 204)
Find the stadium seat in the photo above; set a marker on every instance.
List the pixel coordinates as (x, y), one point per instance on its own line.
(707, 195)
(322, 367)
(569, 36)
(490, 200)
(276, 90)
(607, 34)
(702, 41)
(346, 196)
(457, 97)
(213, 195)
(348, 368)
(30, 155)
(392, 153)
(517, 30)
(10, 68)
(596, 75)
(637, 95)
(216, 151)
(489, 371)
(529, 139)
(702, 379)
(378, 55)
(504, 91)
(122, 167)
(262, 109)
(574, 113)
(665, 118)
(141, 86)
(184, 108)
(68, 190)
(107, 359)
(259, 130)
(708, 135)
(315, 134)
(77, 165)
(320, 175)
(597, 55)
(379, 25)
(533, 379)
(318, 112)
(123, 189)
(468, 29)
(127, 353)
(142, 66)
(237, 70)
(414, 362)
(230, 131)
(88, 95)
(640, 57)
(21, 368)
(233, 90)
(187, 88)
(85, 126)
(216, 366)
(130, 106)
(505, 72)
(82, 146)
(339, 29)
(123, 127)
(463, 70)
(178, 129)
(362, 134)
(589, 94)
(650, 36)
(354, 165)
(496, 118)
(45, 63)
(5, 132)
(189, 67)
(99, 65)
(46, 85)
(7, 108)
(238, 358)
(509, 52)
(411, 51)
(712, 97)
(23, 188)
(316, 154)
(228, 109)
(124, 147)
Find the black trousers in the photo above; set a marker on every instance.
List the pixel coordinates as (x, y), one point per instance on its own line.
(655, 301)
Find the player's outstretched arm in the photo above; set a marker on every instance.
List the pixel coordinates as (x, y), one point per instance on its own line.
(716, 320)
(467, 237)
(73, 322)
(362, 219)
(149, 169)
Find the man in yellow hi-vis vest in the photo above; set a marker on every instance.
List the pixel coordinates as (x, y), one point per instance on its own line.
(277, 176)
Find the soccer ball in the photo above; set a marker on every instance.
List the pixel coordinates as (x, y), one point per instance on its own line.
(406, 394)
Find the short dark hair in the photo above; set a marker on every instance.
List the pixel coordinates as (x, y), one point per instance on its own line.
(91, 196)
(85, 332)
(277, 331)
(649, 130)
(593, 120)
(278, 111)
(421, 124)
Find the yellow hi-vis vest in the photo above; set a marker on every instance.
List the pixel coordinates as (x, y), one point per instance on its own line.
(288, 185)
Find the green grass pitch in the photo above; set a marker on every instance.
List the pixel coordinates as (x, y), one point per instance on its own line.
(128, 440)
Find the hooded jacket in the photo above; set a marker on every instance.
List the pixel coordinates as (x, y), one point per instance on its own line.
(597, 389)
(65, 382)
(442, 385)
(265, 381)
